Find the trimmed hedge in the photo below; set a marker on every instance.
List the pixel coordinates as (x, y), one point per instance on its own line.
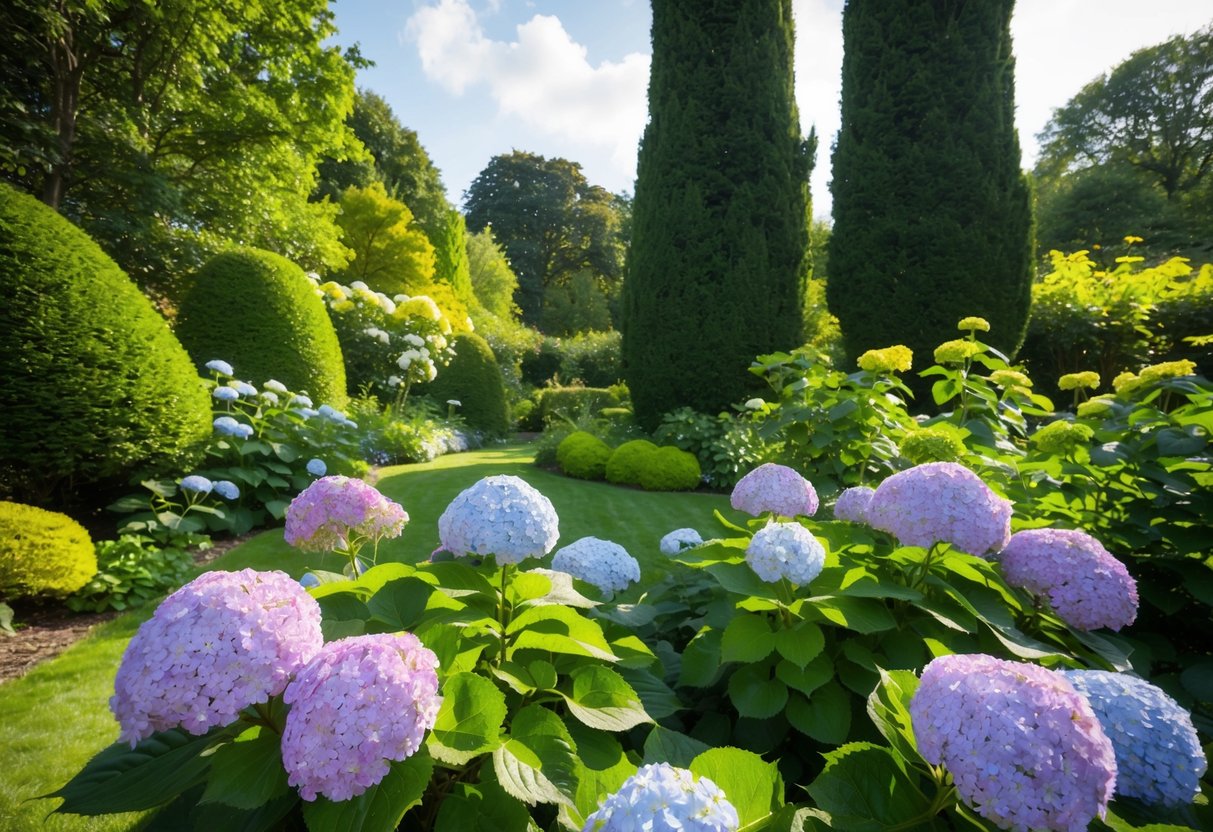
(95, 386)
(474, 380)
(570, 401)
(259, 312)
(583, 455)
(653, 468)
(623, 468)
(42, 553)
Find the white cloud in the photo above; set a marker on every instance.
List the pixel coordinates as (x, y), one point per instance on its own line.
(543, 78)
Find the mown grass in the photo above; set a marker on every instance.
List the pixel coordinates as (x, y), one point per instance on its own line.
(56, 717)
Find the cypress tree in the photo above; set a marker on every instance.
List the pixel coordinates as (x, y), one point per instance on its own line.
(932, 220)
(720, 229)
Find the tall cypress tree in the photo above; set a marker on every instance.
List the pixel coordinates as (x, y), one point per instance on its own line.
(932, 220)
(720, 222)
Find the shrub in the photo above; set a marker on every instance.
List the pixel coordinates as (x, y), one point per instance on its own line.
(626, 462)
(130, 572)
(474, 380)
(570, 402)
(669, 469)
(583, 455)
(593, 358)
(42, 553)
(94, 383)
(259, 311)
(541, 364)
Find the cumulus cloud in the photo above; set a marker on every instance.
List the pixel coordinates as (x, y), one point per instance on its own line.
(542, 77)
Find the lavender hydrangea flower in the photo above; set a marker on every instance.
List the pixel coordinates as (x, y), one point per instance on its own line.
(1086, 586)
(226, 394)
(1023, 747)
(602, 563)
(316, 467)
(777, 489)
(221, 367)
(679, 541)
(852, 504)
(1158, 755)
(244, 388)
(359, 704)
(334, 512)
(662, 798)
(502, 516)
(785, 550)
(227, 489)
(223, 642)
(227, 426)
(941, 502)
(197, 484)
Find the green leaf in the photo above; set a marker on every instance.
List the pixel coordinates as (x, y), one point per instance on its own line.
(753, 787)
(809, 678)
(889, 710)
(864, 615)
(125, 779)
(864, 790)
(247, 772)
(664, 745)
(801, 644)
(469, 720)
(401, 603)
(748, 638)
(538, 763)
(483, 807)
(658, 699)
(381, 807)
(701, 659)
(754, 693)
(728, 524)
(562, 592)
(602, 699)
(277, 508)
(825, 716)
(739, 578)
(558, 629)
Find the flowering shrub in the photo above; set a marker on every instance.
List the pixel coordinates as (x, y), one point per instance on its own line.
(339, 514)
(662, 798)
(785, 551)
(775, 490)
(679, 540)
(852, 504)
(522, 522)
(602, 563)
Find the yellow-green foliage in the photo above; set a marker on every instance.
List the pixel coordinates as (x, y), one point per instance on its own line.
(642, 463)
(583, 455)
(42, 553)
(623, 468)
(572, 402)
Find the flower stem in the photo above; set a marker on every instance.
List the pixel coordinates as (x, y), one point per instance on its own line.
(503, 612)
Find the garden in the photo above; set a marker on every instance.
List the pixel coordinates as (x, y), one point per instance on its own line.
(373, 514)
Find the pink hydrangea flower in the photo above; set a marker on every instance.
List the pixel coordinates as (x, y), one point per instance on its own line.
(332, 511)
(1023, 747)
(777, 489)
(361, 703)
(223, 642)
(1086, 586)
(941, 502)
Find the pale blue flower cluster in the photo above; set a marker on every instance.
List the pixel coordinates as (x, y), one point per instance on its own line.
(662, 798)
(244, 388)
(269, 396)
(316, 467)
(1158, 755)
(502, 516)
(301, 400)
(852, 504)
(679, 541)
(275, 386)
(226, 394)
(785, 550)
(197, 483)
(334, 415)
(227, 426)
(227, 489)
(604, 564)
(221, 367)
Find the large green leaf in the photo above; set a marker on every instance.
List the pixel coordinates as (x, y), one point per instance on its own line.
(557, 629)
(469, 720)
(664, 745)
(538, 762)
(808, 679)
(248, 772)
(601, 698)
(402, 604)
(658, 699)
(379, 808)
(864, 615)
(748, 638)
(739, 578)
(864, 790)
(889, 710)
(753, 786)
(701, 659)
(825, 716)
(754, 693)
(800, 644)
(483, 807)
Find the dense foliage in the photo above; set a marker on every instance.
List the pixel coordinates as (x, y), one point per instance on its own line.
(95, 385)
(474, 381)
(389, 255)
(931, 213)
(42, 553)
(583, 455)
(258, 311)
(717, 266)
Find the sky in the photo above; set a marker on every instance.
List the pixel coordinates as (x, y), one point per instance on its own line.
(569, 78)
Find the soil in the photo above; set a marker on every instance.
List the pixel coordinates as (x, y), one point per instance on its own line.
(45, 629)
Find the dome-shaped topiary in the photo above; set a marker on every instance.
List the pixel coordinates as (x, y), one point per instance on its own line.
(669, 469)
(583, 455)
(623, 468)
(94, 385)
(42, 553)
(259, 312)
(474, 379)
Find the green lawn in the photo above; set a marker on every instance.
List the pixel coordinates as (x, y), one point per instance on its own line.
(56, 717)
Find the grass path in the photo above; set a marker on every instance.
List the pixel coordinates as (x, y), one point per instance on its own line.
(56, 717)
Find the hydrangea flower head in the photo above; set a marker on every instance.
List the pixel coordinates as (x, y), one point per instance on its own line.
(1023, 747)
(221, 367)
(222, 642)
(662, 798)
(276, 386)
(777, 489)
(973, 324)
(602, 563)
(785, 550)
(890, 359)
(1078, 381)
(227, 489)
(502, 516)
(316, 467)
(932, 444)
(1158, 755)
(852, 504)
(332, 511)
(359, 704)
(301, 400)
(227, 426)
(1096, 408)
(243, 387)
(1011, 380)
(226, 394)
(197, 484)
(269, 396)
(956, 352)
(680, 540)
(941, 502)
(1062, 437)
(1083, 582)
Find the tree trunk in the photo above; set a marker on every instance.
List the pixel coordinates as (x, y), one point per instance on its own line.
(65, 102)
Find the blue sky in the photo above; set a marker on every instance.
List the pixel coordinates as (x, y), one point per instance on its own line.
(568, 78)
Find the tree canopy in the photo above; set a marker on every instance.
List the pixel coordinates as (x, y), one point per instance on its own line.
(389, 254)
(493, 281)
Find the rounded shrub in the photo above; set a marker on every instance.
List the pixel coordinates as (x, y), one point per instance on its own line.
(583, 455)
(669, 469)
(95, 385)
(474, 380)
(259, 312)
(627, 461)
(42, 553)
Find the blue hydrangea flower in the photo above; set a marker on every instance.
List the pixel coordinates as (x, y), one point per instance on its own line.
(602, 563)
(269, 396)
(1158, 755)
(275, 386)
(220, 367)
(331, 413)
(301, 400)
(197, 483)
(785, 550)
(227, 426)
(226, 394)
(662, 798)
(244, 388)
(680, 540)
(309, 580)
(227, 489)
(307, 412)
(502, 516)
(317, 468)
